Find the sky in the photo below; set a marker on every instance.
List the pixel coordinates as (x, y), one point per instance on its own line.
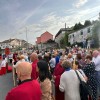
(34, 17)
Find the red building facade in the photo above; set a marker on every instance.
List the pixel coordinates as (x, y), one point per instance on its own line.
(44, 37)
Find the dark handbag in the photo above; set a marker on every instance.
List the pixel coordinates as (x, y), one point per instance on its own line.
(85, 90)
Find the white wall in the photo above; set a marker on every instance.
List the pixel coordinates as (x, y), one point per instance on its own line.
(5, 45)
(78, 37)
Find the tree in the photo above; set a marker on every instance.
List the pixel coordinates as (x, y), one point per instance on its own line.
(87, 23)
(66, 39)
(76, 27)
(80, 25)
(96, 34)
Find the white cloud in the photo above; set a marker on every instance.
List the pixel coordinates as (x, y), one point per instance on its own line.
(52, 22)
(80, 3)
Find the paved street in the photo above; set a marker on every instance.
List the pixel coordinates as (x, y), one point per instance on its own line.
(6, 83)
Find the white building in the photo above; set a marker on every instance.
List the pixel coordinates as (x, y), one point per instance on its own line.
(5, 45)
(80, 35)
(61, 34)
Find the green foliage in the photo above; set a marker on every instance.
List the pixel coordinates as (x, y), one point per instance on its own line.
(96, 34)
(87, 23)
(78, 26)
(64, 40)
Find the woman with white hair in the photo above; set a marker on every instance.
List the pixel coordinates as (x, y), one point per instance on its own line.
(69, 82)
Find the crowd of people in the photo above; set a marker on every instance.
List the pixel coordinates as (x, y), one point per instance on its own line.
(52, 74)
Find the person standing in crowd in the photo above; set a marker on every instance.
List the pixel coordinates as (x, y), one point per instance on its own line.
(28, 89)
(69, 82)
(57, 57)
(15, 57)
(89, 71)
(69, 58)
(19, 60)
(45, 80)
(34, 60)
(0, 64)
(81, 59)
(46, 57)
(79, 68)
(52, 63)
(64, 55)
(96, 60)
(40, 57)
(58, 71)
(10, 56)
(3, 66)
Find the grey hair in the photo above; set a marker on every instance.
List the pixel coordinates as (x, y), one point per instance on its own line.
(66, 64)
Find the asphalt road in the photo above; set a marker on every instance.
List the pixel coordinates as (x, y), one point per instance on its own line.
(6, 84)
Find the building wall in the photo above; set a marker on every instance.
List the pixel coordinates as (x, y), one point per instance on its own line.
(38, 40)
(59, 37)
(81, 35)
(5, 45)
(46, 36)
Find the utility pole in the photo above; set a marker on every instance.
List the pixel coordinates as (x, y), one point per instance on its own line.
(26, 38)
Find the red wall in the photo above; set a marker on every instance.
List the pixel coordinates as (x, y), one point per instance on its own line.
(46, 36)
(38, 40)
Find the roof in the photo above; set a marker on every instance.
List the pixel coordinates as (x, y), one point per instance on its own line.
(46, 32)
(63, 29)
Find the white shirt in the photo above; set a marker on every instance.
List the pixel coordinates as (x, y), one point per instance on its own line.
(69, 84)
(52, 62)
(97, 62)
(10, 56)
(3, 63)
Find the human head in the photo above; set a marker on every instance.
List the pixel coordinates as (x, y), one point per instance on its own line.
(95, 53)
(88, 58)
(79, 57)
(18, 58)
(43, 69)
(24, 70)
(63, 53)
(53, 56)
(77, 65)
(34, 57)
(61, 60)
(39, 57)
(22, 57)
(66, 64)
(69, 55)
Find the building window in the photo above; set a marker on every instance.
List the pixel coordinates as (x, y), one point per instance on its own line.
(88, 30)
(81, 33)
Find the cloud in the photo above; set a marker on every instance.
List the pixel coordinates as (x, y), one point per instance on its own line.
(52, 22)
(23, 20)
(80, 3)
